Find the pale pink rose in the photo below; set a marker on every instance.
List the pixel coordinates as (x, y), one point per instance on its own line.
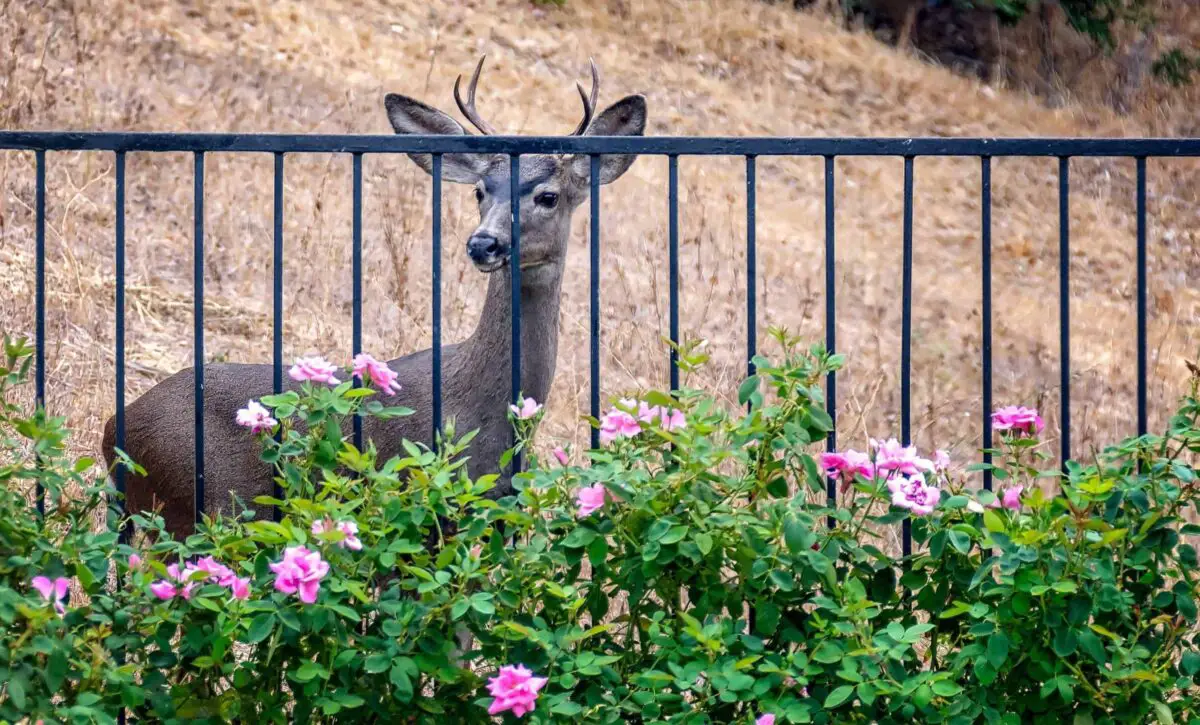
(1018, 419)
(163, 589)
(134, 561)
(619, 424)
(527, 408)
(239, 587)
(890, 457)
(53, 591)
(670, 419)
(846, 464)
(673, 421)
(301, 571)
(514, 689)
(348, 528)
(1011, 498)
(561, 456)
(375, 372)
(767, 719)
(941, 460)
(255, 417)
(911, 492)
(315, 369)
(590, 499)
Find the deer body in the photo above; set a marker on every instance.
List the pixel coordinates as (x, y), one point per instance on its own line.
(475, 373)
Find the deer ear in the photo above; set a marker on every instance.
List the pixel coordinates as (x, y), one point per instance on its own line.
(410, 116)
(626, 117)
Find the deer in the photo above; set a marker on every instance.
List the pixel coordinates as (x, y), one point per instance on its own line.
(475, 371)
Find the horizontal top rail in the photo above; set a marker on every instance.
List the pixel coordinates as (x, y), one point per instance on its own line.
(651, 145)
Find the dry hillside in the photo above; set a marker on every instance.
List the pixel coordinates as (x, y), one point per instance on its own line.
(728, 67)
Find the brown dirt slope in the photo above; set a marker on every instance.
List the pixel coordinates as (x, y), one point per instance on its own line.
(728, 67)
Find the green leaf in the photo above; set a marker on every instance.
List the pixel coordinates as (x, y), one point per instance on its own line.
(56, 670)
(675, 535)
(839, 696)
(16, 691)
(289, 619)
(377, 662)
(946, 688)
(997, 649)
(260, 628)
(828, 653)
(704, 543)
(796, 536)
(993, 522)
(748, 387)
(1164, 713)
(579, 538)
(1093, 647)
(1189, 663)
(1065, 642)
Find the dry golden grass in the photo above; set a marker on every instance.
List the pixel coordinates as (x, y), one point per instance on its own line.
(731, 67)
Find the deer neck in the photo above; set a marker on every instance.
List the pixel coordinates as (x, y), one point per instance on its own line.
(487, 354)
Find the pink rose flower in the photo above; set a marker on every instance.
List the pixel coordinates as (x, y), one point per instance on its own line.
(301, 571)
(527, 409)
(670, 419)
(239, 587)
(163, 589)
(134, 561)
(1011, 498)
(890, 456)
(348, 528)
(375, 372)
(941, 460)
(590, 499)
(1018, 420)
(255, 417)
(846, 464)
(561, 456)
(316, 369)
(911, 492)
(53, 591)
(619, 424)
(767, 719)
(514, 689)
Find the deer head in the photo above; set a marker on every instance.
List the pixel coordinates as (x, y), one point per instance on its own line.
(551, 187)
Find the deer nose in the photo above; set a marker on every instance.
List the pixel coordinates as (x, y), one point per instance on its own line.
(485, 248)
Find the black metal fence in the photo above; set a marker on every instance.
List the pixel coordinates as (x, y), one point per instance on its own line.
(122, 144)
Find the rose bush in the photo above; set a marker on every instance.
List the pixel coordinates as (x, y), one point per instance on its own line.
(693, 571)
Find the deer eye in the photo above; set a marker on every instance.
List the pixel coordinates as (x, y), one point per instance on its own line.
(546, 199)
(478, 195)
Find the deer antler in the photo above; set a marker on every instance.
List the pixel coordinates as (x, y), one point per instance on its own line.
(468, 108)
(589, 105)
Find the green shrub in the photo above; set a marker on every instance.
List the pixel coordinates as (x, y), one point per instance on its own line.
(692, 572)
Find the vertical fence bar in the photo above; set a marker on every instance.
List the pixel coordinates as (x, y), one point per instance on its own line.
(277, 303)
(356, 264)
(830, 324)
(594, 280)
(906, 334)
(437, 297)
(119, 339)
(1064, 300)
(514, 187)
(751, 267)
(40, 302)
(985, 163)
(198, 328)
(673, 252)
(124, 534)
(1142, 422)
